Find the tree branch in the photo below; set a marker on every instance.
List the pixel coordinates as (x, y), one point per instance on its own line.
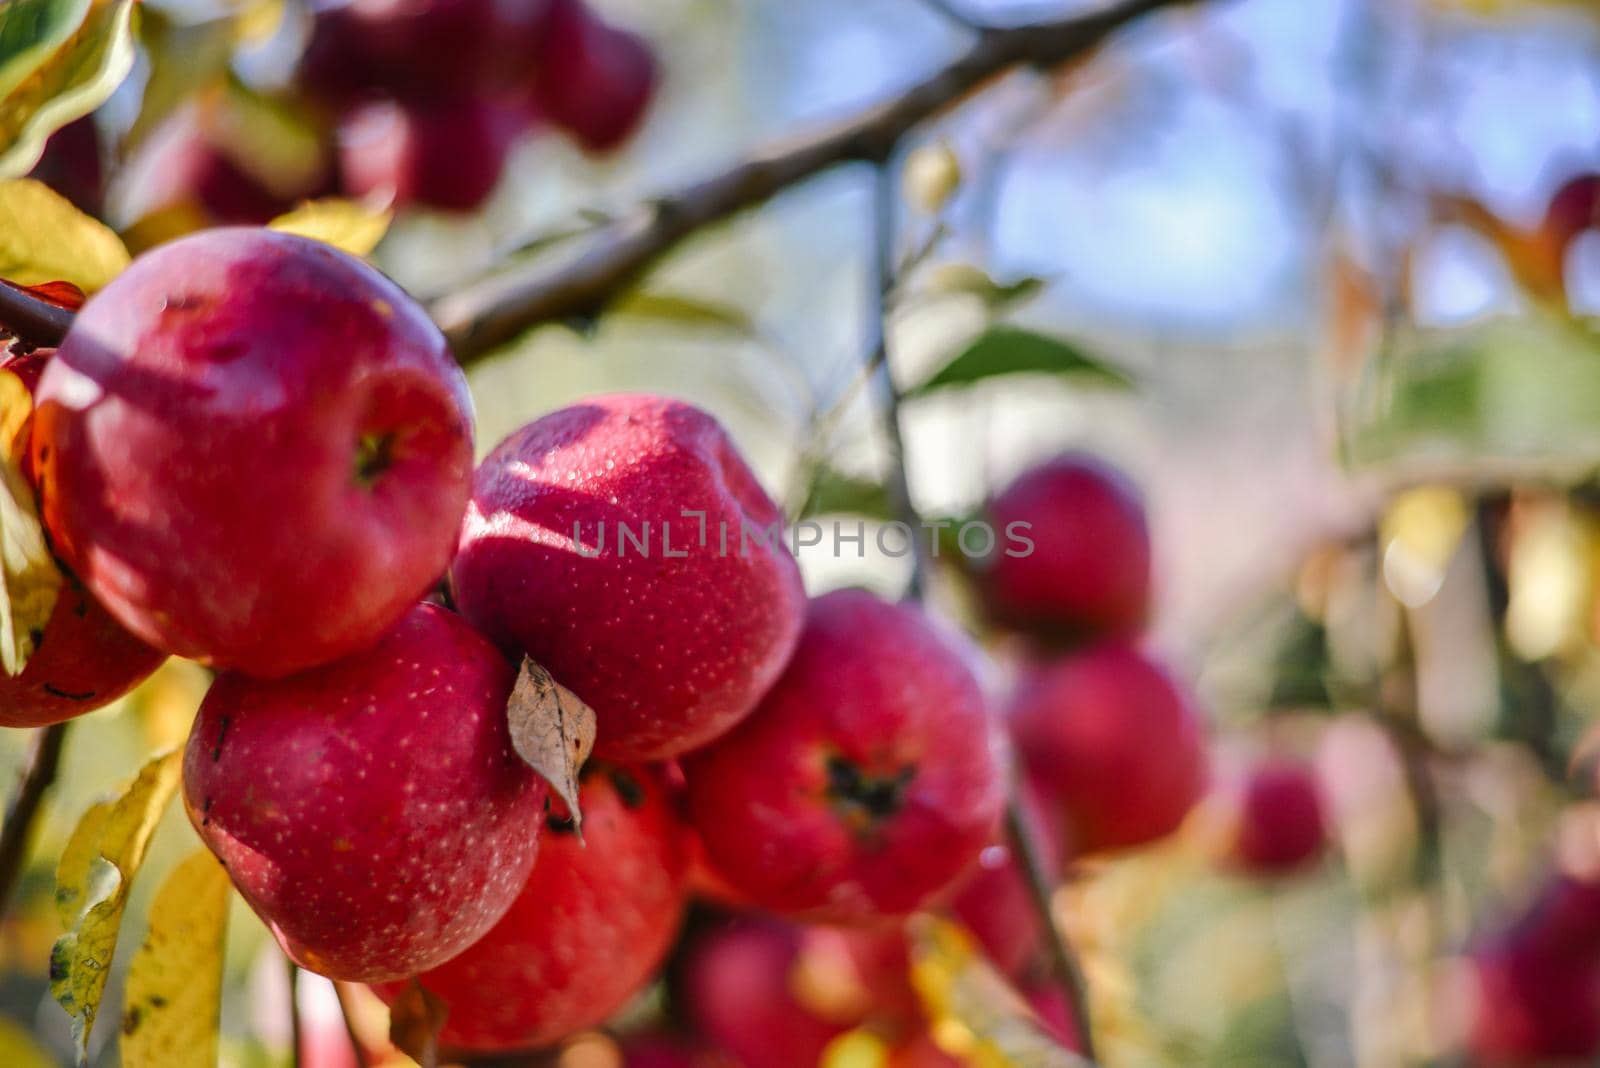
(44, 757)
(495, 310)
(29, 319)
(1063, 959)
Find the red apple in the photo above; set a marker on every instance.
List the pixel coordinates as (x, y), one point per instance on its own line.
(866, 782)
(254, 450)
(607, 541)
(414, 49)
(1111, 744)
(73, 165)
(372, 811)
(447, 153)
(1087, 569)
(1280, 826)
(670, 1051)
(82, 660)
(591, 79)
(995, 904)
(186, 164)
(591, 925)
(1534, 1006)
(737, 982)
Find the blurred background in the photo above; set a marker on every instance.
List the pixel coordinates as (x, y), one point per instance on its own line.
(1324, 269)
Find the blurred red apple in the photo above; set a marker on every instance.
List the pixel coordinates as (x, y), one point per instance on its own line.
(1087, 572)
(1112, 746)
(866, 782)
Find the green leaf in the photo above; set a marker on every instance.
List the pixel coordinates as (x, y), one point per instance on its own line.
(678, 310)
(965, 278)
(93, 878)
(43, 238)
(63, 82)
(347, 225)
(172, 1008)
(1010, 350)
(1517, 393)
(31, 579)
(835, 493)
(30, 31)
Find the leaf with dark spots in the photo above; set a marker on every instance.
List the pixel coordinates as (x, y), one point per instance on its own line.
(415, 1020)
(552, 730)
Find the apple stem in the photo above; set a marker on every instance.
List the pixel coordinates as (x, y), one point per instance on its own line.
(1069, 972)
(35, 321)
(44, 758)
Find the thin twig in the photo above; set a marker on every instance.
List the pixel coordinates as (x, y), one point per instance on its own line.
(486, 314)
(35, 321)
(1069, 972)
(349, 1024)
(44, 759)
(898, 483)
(950, 10)
(293, 972)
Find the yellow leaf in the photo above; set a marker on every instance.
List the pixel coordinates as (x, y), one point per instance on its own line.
(92, 881)
(552, 730)
(19, 1050)
(345, 224)
(70, 81)
(856, 1049)
(29, 577)
(173, 1003)
(43, 238)
(976, 1015)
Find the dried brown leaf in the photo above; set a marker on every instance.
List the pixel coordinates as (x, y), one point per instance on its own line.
(553, 730)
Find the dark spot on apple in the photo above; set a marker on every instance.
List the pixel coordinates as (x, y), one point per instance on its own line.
(628, 789)
(130, 1019)
(222, 732)
(561, 825)
(36, 635)
(157, 1001)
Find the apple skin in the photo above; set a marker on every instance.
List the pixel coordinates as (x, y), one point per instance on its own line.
(443, 153)
(736, 983)
(415, 49)
(593, 80)
(73, 165)
(866, 782)
(1111, 745)
(1281, 826)
(590, 927)
(995, 904)
(663, 1050)
(183, 165)
(199, 442)
(1534, 1005)
(1088, 573)
(670, 651)
(82, 660)
(372, 811)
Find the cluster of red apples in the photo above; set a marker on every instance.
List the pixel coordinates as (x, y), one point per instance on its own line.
(418, 102)
(256, 452)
